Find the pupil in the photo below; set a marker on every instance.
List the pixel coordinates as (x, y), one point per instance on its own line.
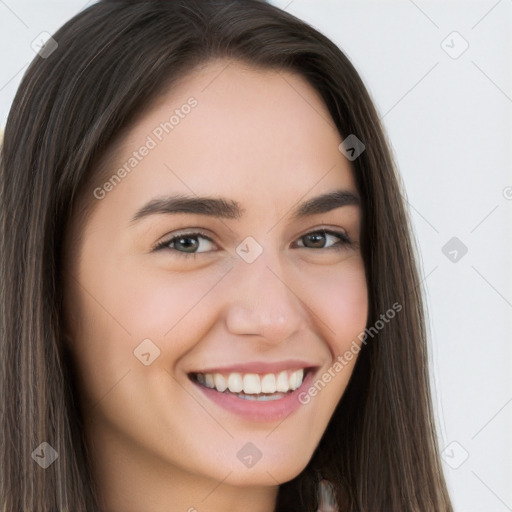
(319, 242)
(191, 246)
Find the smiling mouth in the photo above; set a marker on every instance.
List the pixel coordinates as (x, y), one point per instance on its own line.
(253, 386)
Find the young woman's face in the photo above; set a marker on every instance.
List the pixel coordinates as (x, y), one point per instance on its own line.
(245, 291)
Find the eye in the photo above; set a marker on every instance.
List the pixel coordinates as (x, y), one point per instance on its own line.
(187, 241)
(186, 244)
(319, 238)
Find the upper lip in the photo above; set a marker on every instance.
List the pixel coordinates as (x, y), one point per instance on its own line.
(261, 367)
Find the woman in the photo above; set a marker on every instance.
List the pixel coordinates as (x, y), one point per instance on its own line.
(210, 298)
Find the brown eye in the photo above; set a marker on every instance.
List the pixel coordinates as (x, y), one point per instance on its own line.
(318, 239)
(184, 244)
(187, 244)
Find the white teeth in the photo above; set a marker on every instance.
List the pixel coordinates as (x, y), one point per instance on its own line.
(268, 383)
(220, 382)
(252, 383)
(235, 383)
(282, 382)
(296, 379)
(208, 380)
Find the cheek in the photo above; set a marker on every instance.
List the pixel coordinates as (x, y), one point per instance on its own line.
(165, 306)
(340, 301)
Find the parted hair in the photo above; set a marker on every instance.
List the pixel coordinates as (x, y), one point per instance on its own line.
(380, 450)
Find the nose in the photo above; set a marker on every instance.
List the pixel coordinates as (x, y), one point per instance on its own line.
(263, 303)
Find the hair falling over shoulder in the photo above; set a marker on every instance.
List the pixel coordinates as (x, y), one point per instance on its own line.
(379, 451)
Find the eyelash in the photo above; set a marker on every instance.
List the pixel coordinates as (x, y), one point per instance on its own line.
(345, 241)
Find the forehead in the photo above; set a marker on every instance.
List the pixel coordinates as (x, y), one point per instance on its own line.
(237, 131)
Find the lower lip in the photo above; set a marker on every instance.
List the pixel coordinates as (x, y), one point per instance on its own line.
(253, 410)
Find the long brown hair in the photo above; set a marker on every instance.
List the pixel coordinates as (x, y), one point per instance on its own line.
(379, 450)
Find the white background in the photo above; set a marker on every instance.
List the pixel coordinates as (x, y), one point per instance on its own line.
(449, 121)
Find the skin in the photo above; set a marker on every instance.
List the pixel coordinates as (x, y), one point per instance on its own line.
(157, 443)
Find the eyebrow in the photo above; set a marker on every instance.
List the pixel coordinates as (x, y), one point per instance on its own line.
(228, 209)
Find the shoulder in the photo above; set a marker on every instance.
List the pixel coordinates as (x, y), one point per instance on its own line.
(326, 498)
